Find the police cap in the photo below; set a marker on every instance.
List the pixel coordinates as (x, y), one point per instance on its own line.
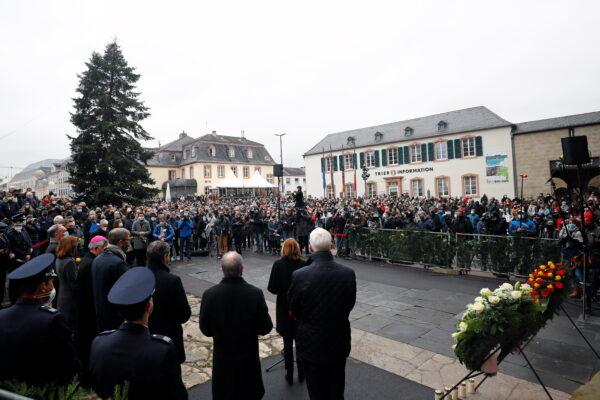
(18, 217)
(34, 267)
(133, 287)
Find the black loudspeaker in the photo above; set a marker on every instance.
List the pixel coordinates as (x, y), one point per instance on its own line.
(278, 170)
(575, 150)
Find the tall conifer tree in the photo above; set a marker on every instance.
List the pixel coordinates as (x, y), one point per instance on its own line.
(108, 161)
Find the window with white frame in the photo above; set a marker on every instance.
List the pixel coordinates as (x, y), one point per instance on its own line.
(221, 171)
(231, 152)
(270, 178)
(207, 190)
(348, 164)
(296, 180)
(193, 151)
(207, 171)
(371, 189)
(415, 153)
(182, 173)
(468, 147)
(246, 172)
(349, 190)
(234, 170)
(172, 157)
(288, 181)
(212, 151)
(328, 164)
(370, 159)
(191, 172)
(417, 187)
(249, 154)
(443, 186)
(393, 189)
(440, 150)
(172, 174)
(392, 156)
(470, 185)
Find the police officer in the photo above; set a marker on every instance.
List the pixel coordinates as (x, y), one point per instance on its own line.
(130, 353)
(36, 344)
(19, 243)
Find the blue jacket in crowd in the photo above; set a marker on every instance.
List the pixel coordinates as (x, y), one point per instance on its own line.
(168, 234)
(474, 218)
(185, 228)
(526, 224)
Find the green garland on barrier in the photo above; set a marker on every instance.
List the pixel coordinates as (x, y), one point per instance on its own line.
(494, 253)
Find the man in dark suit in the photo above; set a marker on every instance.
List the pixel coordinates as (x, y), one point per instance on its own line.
(106, 269)
(171, 308)
(321, 297)
(36, 344)
(234, 313)
(130, 353)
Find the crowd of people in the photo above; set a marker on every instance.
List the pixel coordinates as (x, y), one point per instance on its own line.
(69, 268)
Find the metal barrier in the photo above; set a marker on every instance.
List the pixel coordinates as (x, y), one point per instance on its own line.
(5, 395)
(499, 254)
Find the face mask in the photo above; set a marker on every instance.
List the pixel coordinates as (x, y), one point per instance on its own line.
(472, 211)
(120, 225)
(51, 295)
(153, 218)
(571, 227)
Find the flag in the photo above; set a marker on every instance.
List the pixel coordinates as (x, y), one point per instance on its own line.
(354, 165)
(331, 170)
(343, 167)
(323, 167)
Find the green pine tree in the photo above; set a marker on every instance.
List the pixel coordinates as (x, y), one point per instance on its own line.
(108, 161)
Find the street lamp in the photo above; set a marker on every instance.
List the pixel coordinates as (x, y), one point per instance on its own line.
(280, 180)
(523, 175)
(365, 175)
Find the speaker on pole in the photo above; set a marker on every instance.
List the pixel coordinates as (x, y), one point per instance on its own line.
(278, 170)
(575, 150)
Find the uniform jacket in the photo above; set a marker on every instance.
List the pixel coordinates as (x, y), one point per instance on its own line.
(132, 354)
(321, 297)
(36, 344)
(279, 283)
(106, 269)
(171, 308)
(234, 313)
(20, 243)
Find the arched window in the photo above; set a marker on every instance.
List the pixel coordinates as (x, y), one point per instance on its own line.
(378, 137)
(408, 131)
(442, 126)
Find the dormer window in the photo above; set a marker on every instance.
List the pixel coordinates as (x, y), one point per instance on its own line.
(249, 153)
(172, 157)
(378, 137)
(408, 131)
(442, 126)
(187, 153)
(231, 152)
(212, 151)
(350, 141)
(194, 151)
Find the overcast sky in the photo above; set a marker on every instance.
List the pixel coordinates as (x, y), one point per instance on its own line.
(304, 68)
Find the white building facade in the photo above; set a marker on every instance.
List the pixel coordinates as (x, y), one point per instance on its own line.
(464, 153)
(292, 178)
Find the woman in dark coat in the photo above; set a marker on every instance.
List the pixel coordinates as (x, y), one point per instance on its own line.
(279, 283)
(66, 269)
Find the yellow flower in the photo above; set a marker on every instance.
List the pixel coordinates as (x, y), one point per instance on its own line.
(536, 285)
(551, 264)
(550, 275)
(540, 273)
(78, 260)
(542, 267)
(557, 278)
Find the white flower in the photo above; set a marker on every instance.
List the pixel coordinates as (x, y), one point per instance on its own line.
(516, 294)
(479, 299)
(478, 307)
(494, 300)
(456, 335)
(525, 288)
(485, 292)
(506, 286)
(462, 327)
(470, 307)
(500, 293)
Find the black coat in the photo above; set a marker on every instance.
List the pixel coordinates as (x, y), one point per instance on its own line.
(130, 353)
(85, 331)
(36, 344)
(279, 283)
(106, 269)
(171, 308)
(234, 313)
(321, 297)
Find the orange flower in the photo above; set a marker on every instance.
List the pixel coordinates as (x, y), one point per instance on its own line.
(536, 285)
(542, 267)
(549, 275)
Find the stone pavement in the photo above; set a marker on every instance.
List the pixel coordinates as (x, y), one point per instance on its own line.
(404, 317)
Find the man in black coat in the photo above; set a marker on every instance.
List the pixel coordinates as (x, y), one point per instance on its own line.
(130, 353)
(106, 269)
(235, 313)
(36, 345)
(86, 330)
(321, 297)
(171, 308)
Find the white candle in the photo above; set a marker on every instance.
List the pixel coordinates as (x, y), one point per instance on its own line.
(471, 386)
(462, 391)
(438, 395)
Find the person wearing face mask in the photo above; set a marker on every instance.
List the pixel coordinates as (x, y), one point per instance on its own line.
(30, 329)
(130, 353)
(106, 269)
(19, 243)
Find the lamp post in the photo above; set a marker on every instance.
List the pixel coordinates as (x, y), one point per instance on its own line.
(365, 175)
(279, 178)
(523, 175)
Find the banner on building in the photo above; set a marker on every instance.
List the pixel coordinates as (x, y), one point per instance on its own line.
(496, 168)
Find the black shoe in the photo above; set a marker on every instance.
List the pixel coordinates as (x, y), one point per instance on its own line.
(289, 377)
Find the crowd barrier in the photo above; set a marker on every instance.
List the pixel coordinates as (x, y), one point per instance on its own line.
(498, 254)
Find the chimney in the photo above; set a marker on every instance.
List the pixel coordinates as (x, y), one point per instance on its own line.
(243, 134)
(214, 133)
